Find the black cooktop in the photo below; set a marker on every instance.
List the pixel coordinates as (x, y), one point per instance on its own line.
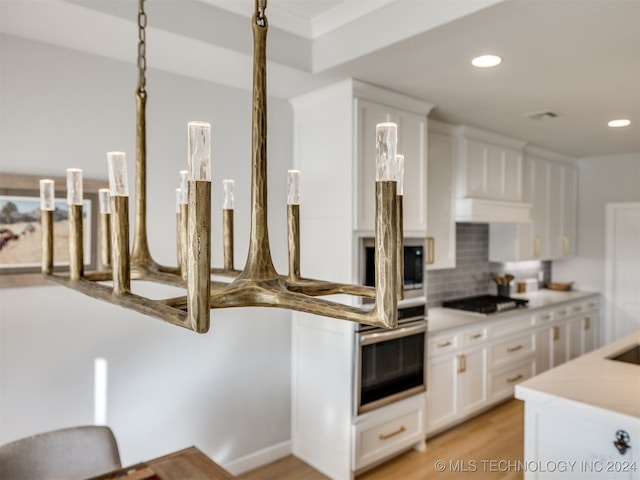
(486, 304)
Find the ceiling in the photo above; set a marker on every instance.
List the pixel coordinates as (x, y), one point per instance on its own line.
(579, 59)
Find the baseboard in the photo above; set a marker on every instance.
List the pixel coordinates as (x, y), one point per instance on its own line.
(259, 458)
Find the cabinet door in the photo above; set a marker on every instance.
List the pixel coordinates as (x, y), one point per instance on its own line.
(441, 227)
(563, 185)
(369, 114)
(412, 143)
(442, 392)
(472, 378)
(543, 349)
(492, 172)
(559, 344)
(569, 210)
(576, 335)
(536, 192)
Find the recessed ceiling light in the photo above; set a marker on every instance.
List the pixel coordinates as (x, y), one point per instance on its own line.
(621, 122)
(486, 61)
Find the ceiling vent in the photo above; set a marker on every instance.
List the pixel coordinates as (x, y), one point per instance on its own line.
(544, 115)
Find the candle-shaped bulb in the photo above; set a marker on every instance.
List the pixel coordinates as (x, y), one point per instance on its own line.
(104, 199)
(199, 151)
(293, 187)
(47, 195)
(74, 186)
(118, 184)
(184, 187)
(386, 146)
(227, 188)
(400, 161)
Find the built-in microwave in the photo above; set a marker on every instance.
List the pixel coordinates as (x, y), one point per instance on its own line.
(413, 265)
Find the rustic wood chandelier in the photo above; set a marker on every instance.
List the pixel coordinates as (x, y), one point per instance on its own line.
(258, 283)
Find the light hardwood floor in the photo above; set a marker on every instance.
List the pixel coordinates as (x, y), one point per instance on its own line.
(486, 447)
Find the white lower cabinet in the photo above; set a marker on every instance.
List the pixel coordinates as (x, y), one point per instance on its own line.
(457, 379)
(386, 431)
(472, 368)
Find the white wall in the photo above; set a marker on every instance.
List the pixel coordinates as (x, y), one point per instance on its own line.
(227, 392)
(601, 180)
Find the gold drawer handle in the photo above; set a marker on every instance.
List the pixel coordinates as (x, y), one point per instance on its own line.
(444, 344)
(592, 305)
(462, 363)
(545, 317)
(514, 379)
(476, 336)
(385, 436)
(556, 333)
(514, 349)
(561, 312)
(577, 309)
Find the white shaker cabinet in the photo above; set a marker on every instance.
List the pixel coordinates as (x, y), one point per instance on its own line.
(489, 166)
(412, 143)
(441, 196)
(550, 186)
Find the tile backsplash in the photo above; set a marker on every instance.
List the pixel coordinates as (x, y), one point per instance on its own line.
(473, 273)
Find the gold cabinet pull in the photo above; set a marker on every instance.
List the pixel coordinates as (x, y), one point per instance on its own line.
(562, 313)
(545, 317)
(444, 344)
(577, 308)
(514, 379)
(385, 436)
(476, 336)
(536, 246)
(565, 245)
(592, 305)
(556, 333)
(462, 363)
(587, 323)
(514, 349)
(431, 250)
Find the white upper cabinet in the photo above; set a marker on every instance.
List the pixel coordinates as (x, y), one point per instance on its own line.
(441, 195)
(412, 143)
(489, 166)
(550, 186)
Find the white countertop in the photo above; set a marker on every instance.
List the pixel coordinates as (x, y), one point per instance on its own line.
(592, 379)
(441, 319)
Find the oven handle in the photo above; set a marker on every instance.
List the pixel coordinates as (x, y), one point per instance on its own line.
(381, 336)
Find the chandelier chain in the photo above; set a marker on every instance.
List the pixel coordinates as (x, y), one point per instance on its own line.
(142, 48)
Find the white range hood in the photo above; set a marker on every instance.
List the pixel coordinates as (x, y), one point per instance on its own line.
(481, 210)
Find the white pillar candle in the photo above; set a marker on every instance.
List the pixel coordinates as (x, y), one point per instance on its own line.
(386, 147)
(199, 151)
(118, 183)
(74, 186)
(293, 187)
(228, 187)
(400, 162)
(47, 195)
(104, 199)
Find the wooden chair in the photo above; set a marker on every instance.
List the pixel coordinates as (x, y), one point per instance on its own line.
(67, 454)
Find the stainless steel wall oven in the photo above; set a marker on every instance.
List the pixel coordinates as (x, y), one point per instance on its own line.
(390, 364)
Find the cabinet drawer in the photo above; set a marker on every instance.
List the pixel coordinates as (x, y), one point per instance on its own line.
(473, 336)
(374, 442)
(503, 382)
(442, 344)
(514, 348)
(543, 318)
(511, 326)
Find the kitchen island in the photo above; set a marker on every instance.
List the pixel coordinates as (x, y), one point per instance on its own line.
(582, 418)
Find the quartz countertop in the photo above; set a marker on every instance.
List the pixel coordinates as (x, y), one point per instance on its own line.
(442, 319)
(592, 379)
